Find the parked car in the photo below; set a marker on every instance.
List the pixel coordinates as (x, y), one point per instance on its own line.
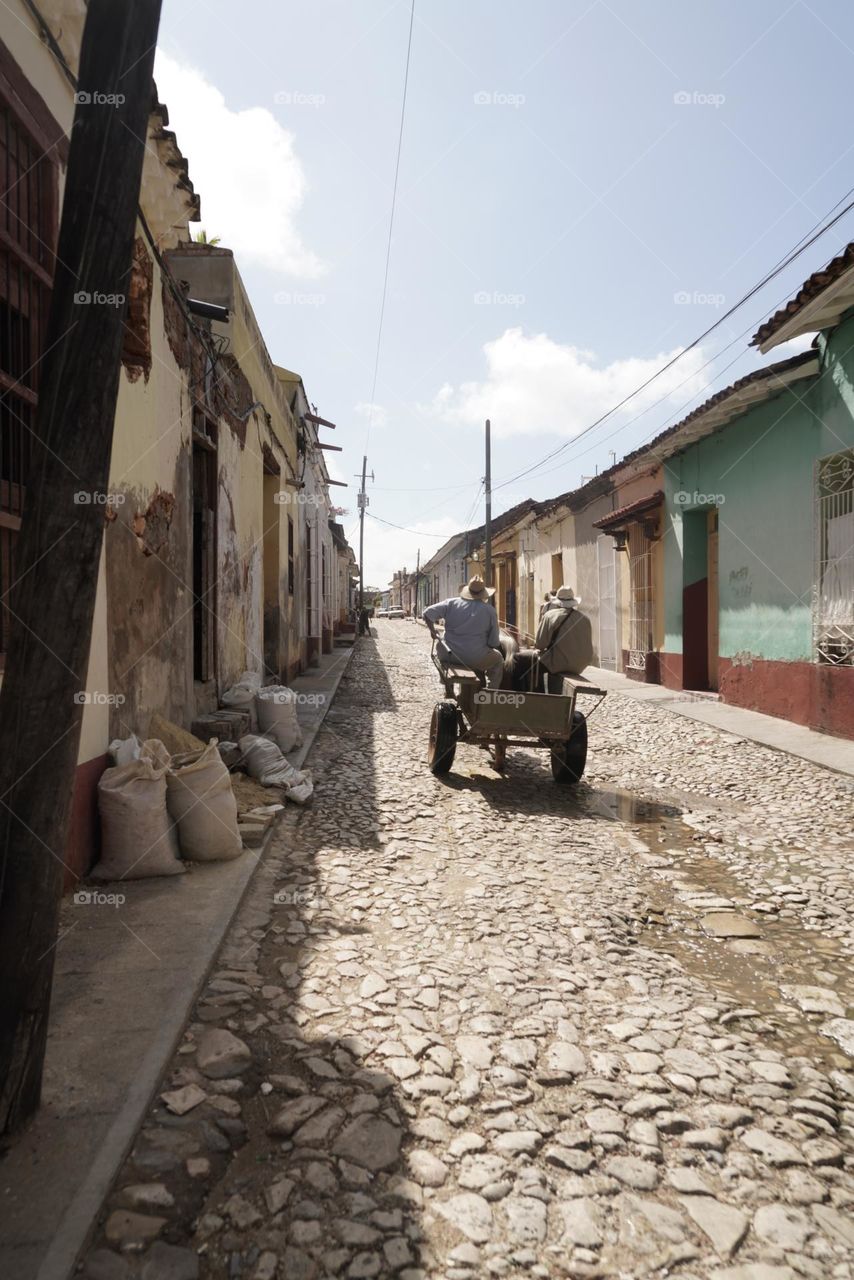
(382, 613)
(396, 612)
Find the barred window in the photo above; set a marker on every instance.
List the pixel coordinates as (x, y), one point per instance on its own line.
(28, 200)
(833, 612)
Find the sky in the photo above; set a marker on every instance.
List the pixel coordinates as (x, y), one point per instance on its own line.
(585, 187)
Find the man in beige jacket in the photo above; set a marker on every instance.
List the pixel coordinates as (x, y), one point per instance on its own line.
(564, 639)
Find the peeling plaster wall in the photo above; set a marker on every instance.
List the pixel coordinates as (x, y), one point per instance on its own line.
(212, 276)
(240, 591)
(149, 543)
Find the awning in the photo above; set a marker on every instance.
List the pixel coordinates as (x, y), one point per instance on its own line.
(623, 515)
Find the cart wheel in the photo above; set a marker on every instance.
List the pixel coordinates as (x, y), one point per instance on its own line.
(498, 751)
(443, 737)
(570, 757)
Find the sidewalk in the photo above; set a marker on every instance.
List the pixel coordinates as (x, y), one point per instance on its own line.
(126, 979)
(781, 735)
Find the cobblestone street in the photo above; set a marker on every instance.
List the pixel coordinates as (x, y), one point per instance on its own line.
(489, 1025)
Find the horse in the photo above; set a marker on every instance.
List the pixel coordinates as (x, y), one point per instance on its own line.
(521, 672)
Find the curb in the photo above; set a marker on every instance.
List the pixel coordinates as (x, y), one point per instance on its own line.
(75, 1227)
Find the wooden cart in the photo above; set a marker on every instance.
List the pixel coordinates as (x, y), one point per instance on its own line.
(496, 719)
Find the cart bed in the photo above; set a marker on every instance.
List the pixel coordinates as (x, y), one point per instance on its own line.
(522, 715)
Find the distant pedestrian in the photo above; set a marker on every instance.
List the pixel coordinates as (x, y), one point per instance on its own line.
(364, 623)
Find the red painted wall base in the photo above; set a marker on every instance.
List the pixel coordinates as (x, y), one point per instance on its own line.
(671, 670)
(819, 696)
(83, 844)
(651, 673)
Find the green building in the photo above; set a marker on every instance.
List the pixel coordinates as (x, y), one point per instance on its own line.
(758, 526)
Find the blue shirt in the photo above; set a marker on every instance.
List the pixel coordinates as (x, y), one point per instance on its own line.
(470, 626)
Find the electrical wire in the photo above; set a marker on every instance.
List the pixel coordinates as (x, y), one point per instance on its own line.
(675, 416)
(422, 533)
(390, 227)
(804, 243)
(474, 504)
(441, 488)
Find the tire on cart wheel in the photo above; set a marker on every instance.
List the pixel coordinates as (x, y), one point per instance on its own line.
(443, 737)
(570, 757)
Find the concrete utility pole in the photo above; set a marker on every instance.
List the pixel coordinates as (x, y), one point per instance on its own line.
(417, 570)
(362, 502)
(53, 600)
(487, 489)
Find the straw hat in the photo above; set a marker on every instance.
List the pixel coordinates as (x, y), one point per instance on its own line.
(566, 597)
(476, 589)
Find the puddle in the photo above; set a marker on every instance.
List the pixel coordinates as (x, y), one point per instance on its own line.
(685, 885)
(623, 806)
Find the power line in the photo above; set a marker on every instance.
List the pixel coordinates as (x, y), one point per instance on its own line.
(803, 244)
(390, 227)
(421, 532)
(468, 518)
(441, 488)
(678, 412)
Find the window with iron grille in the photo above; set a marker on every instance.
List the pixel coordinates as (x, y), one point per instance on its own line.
(28, 204)
(641, 607)
(833, 605)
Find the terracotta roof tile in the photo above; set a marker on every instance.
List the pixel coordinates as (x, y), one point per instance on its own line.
(810, 289)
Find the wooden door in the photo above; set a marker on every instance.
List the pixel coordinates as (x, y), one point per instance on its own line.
(713, 606)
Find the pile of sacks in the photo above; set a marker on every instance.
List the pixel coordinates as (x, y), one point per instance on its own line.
(157, 809)
(275, 731)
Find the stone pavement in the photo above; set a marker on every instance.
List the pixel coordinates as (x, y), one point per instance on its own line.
(490, 1026)
(126, 979)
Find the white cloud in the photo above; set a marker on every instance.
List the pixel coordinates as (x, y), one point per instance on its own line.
(388, 549)
(793, 347)
(379, 416)
(245, 168)
(535, 385)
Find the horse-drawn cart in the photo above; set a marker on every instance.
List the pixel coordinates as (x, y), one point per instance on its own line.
(496, 719)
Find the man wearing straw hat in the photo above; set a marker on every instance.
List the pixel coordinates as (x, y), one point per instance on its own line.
(471, 631)
(564, 639)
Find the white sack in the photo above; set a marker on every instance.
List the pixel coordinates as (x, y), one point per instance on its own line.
(261, 756)
(202, 804)
(265, 762)
(301, 789)
(241, 697)
(137, 835)
(277, 716)
(124, 750)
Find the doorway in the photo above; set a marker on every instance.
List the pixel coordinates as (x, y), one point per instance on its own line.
(204, 546)
(270, 554)
(700, 606)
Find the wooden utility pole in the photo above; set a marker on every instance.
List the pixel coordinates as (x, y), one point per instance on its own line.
(53, 597)
(417, 572)
(487, 489)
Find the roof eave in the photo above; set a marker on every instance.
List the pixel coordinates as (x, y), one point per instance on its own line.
(821, 312)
